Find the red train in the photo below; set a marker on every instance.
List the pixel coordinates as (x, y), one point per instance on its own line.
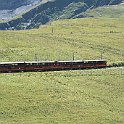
(51, 65)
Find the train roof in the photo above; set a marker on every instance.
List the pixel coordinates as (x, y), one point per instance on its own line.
(47, 61)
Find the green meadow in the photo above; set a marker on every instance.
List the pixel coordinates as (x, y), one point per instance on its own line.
(64, 97)
(87, 38)
(67, 97)
(114, 11)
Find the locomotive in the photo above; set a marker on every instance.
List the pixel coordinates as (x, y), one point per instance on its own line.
(51, 65)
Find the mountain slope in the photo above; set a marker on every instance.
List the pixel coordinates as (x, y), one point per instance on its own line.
(69, 97)
(114, 11)
(87, 38)
(11, 9)
(13, 4)
(57, 9)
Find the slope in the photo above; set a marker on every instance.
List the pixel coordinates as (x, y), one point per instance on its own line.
(15, 8)
(70, 97)
(88, 38)
(114, 11)
(54, 10)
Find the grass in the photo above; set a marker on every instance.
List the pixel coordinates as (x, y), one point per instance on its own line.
(114, 11)
(87, 38)
(70, 97)
(87, 96)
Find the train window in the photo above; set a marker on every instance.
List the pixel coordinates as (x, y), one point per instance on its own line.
(95, 62)
(7, 65)
(61, 63)
(14, 64)
(57, 63)
(43, 63)
(28, 64)
(72, 63)
(86, 62)
(90, 62)
(100, 62)
(2, 65)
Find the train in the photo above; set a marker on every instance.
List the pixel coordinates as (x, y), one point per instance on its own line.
(29, 66)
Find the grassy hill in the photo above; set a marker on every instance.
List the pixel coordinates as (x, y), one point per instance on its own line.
(87, 38)
(70, 97)
(115, 11)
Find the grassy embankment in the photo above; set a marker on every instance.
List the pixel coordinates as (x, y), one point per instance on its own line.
(84, 96)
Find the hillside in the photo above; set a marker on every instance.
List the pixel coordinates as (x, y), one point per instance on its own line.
(10, 9)
(43, 13)
(9, 5)
(87, 38)
(69, 97)
(113, 11)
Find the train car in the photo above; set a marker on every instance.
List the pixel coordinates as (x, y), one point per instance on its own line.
(51, 65)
